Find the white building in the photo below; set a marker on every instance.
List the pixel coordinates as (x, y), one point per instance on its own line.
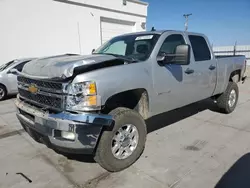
(34, 28)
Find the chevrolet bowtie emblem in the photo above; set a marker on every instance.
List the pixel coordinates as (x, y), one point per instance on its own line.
(33, 89)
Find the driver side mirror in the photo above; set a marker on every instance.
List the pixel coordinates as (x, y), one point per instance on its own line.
(12, 71)
(161, 57)
(93, 50)
(180, 57)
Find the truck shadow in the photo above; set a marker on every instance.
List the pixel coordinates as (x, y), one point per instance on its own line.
(167, 118)
(78, 157)
(238, 175)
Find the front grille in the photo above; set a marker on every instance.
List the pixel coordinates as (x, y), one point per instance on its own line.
(41, 100)
(39, 83)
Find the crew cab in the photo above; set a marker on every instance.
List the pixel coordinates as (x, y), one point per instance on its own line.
(97, 104)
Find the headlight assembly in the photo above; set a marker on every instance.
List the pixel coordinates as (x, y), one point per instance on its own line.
(85, 88)
(83, 97)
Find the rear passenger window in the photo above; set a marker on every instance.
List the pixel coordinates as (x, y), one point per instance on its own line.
(200, 48)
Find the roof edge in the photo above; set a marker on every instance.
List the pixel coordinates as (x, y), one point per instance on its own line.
(139, 2)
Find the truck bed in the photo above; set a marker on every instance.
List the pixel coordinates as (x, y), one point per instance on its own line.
(227, 64)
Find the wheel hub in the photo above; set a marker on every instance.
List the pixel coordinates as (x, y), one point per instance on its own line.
(232, 98)
(125, 141)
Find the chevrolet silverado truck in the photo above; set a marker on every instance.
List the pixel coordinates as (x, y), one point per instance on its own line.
(97, 104)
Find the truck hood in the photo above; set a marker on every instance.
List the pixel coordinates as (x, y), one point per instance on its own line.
(65, 66)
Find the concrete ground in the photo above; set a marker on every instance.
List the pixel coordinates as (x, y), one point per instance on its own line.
(187, 148)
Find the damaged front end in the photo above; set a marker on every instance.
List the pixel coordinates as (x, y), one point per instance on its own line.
(68, 132)
(64, 67)
(47, 82)
(59, 111)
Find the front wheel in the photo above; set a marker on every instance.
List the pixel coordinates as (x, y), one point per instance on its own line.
(3, 92)
(122, 146)
(228, 100)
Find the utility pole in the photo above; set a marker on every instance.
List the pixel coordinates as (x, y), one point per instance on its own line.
(186, 23)
(235, 44)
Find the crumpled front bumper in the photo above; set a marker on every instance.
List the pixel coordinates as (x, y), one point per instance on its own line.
(87, 127)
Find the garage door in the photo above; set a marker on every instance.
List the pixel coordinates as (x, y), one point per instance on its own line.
(113, 27)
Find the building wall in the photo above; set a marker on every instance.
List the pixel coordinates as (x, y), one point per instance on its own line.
(34, 28)
(229, 50)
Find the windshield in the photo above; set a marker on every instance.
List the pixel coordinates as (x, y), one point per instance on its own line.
(4, 66)
(136, 47)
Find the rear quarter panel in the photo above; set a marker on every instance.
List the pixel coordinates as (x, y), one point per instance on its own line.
(225, 67)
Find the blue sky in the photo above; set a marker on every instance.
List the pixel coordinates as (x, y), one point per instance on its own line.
(223, 21)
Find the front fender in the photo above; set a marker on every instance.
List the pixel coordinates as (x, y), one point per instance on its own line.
(117, 79)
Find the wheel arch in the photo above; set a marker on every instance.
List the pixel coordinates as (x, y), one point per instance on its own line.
(136, 99)
(235, 76)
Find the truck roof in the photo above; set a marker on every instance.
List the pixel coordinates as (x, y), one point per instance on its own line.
(161, 32)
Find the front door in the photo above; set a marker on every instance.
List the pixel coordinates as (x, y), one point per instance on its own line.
(175, 85)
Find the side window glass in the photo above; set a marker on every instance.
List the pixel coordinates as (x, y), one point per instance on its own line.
(170, 43)
(19, 67)
(200, 48)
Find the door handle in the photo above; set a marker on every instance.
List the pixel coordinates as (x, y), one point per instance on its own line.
(212, 67)
(189, 71)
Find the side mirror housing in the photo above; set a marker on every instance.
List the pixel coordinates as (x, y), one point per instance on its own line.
(181, 56)
(12, 71)
(93, 50)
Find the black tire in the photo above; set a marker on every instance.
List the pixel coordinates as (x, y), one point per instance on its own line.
(104, 155)
(4, 94)
(223, 99)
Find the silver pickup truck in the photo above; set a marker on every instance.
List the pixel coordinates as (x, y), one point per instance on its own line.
(97, 104)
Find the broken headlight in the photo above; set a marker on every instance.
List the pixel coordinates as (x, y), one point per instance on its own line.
(83, 97)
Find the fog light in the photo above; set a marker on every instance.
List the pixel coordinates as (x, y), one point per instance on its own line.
(68, 135)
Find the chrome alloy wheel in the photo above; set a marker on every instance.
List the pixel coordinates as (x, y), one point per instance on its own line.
(232, 98)
(125, 141)
(2, 93)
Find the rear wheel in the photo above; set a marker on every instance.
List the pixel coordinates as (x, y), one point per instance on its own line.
(228, 100)
(3, 92)
(122, 146)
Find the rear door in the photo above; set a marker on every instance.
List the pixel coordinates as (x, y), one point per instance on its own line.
(204, 66)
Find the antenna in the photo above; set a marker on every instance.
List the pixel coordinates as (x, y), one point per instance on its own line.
(186, 23)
